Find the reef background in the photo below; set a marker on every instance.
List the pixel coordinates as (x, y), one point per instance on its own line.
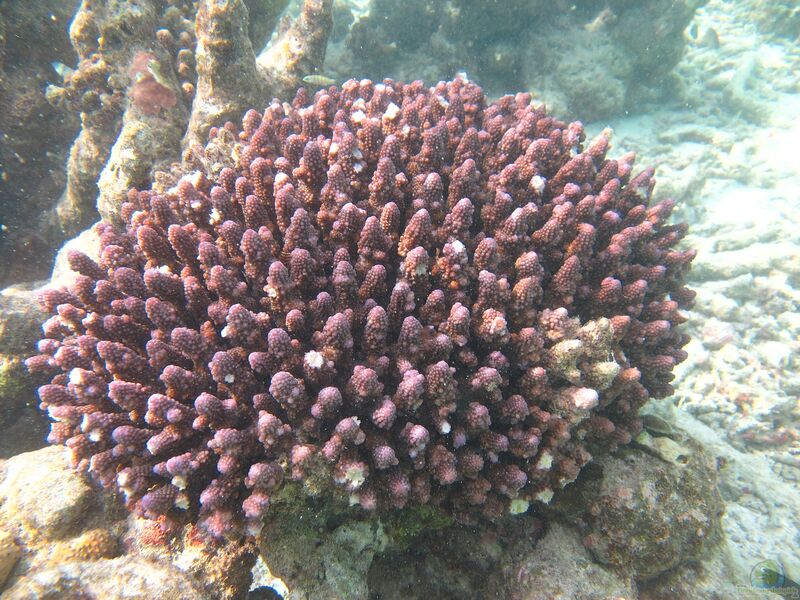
(715, 107)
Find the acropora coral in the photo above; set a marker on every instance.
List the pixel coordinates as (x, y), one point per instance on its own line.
(400, 294)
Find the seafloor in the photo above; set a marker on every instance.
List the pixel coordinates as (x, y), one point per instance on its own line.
(722, 128)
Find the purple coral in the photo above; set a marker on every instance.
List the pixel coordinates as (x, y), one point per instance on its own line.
(419, 297)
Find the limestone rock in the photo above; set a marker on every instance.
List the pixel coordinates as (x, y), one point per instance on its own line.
(24, 427)
(643, 514)
(111, 579)
(315, 565)
(42, 495)
(9, 555)
(560, 568)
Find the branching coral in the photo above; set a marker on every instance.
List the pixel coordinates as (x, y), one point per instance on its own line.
(401, 294)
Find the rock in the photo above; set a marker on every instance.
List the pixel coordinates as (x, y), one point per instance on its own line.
(121, 578)
(716, 333)
(761, 518)
(222, 569)
(315, 564)
(776, 354)
(643, 515)
(711, 579)
(227, 81)
(20, 321)
(142, 143)
(24, 426)
(510, 559)
(87, 242)
(458, 562)
(68, 530)
(348, 555)
(63, 524)
(560, 568)
(665, 448)
(757, 259)
(9, 555)
(42, 496)
(55, 513)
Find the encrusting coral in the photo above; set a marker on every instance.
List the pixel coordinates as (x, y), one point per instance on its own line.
(400, 294)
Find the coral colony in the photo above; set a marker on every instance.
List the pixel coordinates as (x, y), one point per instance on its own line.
(400, 294)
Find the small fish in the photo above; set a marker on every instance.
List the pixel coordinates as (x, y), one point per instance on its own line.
(63, 70)
(155, 69)
(319, 80)
(656, 424)
(710, 39)
(603, 19)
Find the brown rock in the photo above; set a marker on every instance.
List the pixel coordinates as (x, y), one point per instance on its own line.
(42, 496)
(643, 514)
(128, 577)
(9, 555)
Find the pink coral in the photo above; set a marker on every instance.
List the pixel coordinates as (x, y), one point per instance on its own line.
(401, 290)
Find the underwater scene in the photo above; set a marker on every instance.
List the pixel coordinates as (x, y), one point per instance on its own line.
(380, 300)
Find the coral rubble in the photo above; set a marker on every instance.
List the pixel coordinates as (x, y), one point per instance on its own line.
(398, 295)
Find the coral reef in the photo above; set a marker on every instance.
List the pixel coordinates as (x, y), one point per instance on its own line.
(589, 59)
(150, 79)
(630, 496)
(725, 145)
(318, 551)
(728, 153)
(184, 67)
(35, 136)
(522, 562)
(777, 18)
(132, 106)
(401, 295)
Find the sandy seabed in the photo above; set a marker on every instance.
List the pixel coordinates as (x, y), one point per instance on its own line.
(729, 155)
